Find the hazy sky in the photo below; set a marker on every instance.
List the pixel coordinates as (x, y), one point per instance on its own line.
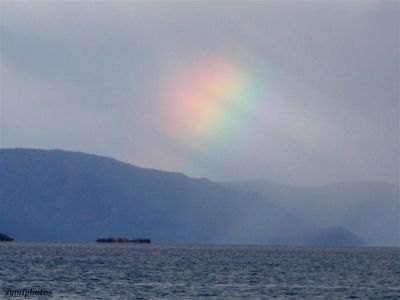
(303, 92)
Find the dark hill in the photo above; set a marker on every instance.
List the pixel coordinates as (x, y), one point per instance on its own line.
(75, 197)
(5, 238)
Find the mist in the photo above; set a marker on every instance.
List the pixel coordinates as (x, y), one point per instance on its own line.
(297, 92)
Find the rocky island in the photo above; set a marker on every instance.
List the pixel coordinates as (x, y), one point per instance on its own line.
(123, 240)
(5, 238)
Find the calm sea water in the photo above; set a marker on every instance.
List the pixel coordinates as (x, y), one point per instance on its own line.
(212, 272)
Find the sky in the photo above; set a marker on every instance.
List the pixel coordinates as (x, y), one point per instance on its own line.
(296, 92)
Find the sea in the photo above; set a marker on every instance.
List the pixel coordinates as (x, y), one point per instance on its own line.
(130, 271)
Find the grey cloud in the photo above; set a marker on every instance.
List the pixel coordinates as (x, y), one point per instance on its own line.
(90, 76)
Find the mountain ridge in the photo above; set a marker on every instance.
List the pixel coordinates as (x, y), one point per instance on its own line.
(97, 196)
(101, 196)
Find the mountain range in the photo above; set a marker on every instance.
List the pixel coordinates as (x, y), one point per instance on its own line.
(370, 210)
(63, 196)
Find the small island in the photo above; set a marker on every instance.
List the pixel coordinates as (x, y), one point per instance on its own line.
(5, 238)
(123, 240)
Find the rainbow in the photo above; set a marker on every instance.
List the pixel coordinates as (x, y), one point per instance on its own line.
(211, 102)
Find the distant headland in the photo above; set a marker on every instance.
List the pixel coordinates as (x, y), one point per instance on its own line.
(5, 238)
(123, 240)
